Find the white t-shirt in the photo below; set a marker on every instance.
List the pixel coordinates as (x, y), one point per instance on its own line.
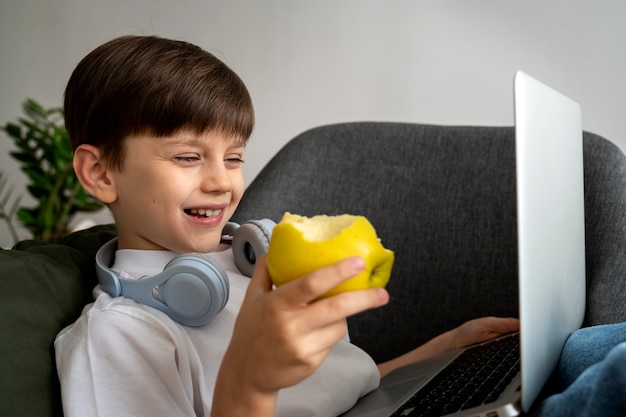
(122, 358)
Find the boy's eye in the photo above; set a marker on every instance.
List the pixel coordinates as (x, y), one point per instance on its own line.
(187, 158)
(233, 161)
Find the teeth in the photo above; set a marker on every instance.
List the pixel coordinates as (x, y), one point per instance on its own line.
(204, 212)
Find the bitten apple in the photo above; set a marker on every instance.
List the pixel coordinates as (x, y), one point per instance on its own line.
(300, 245)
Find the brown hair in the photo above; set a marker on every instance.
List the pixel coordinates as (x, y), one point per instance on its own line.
(149, 85)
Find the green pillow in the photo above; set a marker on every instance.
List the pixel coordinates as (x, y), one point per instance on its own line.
(43, 288)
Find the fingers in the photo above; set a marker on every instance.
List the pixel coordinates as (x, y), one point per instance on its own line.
(346, 304)
(500, 325)
(483, 329)
(306, 291)
(507, 325)
(312, 286)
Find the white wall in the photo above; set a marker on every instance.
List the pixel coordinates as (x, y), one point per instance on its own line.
(308, 63)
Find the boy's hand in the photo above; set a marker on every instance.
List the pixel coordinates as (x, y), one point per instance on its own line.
(469, 333)
(282, 336)
(482, 329)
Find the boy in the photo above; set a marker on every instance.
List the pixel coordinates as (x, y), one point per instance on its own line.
(159, 129)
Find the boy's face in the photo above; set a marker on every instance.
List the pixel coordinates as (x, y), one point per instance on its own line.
(177, 192)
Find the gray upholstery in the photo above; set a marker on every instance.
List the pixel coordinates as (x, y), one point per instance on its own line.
(443, 198)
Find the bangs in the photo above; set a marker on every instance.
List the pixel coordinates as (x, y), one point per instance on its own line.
(215, 101)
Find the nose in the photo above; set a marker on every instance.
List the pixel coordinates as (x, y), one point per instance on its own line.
(216, 179)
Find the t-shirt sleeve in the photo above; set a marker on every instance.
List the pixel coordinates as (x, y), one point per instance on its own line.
(116, 363)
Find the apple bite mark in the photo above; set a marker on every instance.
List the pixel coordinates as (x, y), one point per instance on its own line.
(320, 228)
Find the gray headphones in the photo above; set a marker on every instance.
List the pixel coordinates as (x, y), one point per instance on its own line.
(193, 288)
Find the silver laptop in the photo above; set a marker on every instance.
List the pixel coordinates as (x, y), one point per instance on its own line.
(551, 233)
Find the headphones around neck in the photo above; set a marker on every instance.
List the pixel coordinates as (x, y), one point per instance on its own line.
(193, 288)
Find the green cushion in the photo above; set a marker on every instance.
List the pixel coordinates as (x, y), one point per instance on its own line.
(43, 288)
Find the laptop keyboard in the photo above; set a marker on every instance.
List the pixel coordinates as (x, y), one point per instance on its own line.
(478, 376)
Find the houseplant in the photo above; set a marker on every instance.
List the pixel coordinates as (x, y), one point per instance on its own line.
(45, 155)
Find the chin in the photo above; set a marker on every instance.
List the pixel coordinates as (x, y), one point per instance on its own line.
(207, 245)
(187, 241)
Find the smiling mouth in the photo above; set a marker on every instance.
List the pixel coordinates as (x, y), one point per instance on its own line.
(203, 212)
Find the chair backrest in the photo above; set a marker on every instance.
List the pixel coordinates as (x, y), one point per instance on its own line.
(441, 197)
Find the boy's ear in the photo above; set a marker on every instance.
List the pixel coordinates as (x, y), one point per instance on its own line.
(93, 173)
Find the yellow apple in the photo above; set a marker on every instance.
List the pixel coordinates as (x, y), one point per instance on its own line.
(300, 245)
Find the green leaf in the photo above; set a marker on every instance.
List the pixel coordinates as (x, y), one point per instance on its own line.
(24, 157)
(34, 109)
(25, 216)
(38, 178)
(13, 130)
(38, 192)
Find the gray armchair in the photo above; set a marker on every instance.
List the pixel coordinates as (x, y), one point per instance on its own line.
(443, 198)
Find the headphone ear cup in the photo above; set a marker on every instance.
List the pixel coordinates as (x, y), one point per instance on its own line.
(230, 229)
(196, 289)
(250, 241)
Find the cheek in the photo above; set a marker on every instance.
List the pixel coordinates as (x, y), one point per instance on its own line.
(145, 185)
(151, 188)
(238, 189)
